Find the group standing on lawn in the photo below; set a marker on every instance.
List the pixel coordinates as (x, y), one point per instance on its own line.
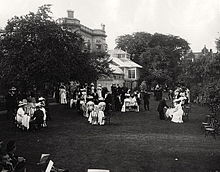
(95, 103)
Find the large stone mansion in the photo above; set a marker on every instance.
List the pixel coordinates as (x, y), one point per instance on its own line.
(94, 38)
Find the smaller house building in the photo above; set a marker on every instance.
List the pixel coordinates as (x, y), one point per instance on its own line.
(125, 71)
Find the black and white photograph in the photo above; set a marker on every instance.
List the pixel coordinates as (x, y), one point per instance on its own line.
(109, 86)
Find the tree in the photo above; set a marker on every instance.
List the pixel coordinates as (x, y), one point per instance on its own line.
(159, 54)
(36, 50)
(218, 44)
(95, 65)
(134, 44)
(203, 77)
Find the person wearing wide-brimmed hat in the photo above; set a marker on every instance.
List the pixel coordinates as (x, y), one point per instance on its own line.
(20, 112)
(22, 118)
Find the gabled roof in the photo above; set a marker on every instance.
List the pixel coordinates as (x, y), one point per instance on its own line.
(116, 69)
(130, 63)
(124, 62)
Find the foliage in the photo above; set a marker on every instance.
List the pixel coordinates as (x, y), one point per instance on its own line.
(202, 76)
(218, 44)
(159, 54)
(36, 50)
(95, 65)
(134, 44)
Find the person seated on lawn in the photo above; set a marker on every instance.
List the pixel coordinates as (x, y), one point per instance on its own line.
(177, 113)
(17, 162)
(21, 116)
(37, 119)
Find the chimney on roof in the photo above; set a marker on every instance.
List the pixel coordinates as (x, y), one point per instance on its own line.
(103, 27)
(70, 14)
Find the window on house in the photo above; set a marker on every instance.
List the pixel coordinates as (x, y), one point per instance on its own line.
(131, 74)
(98, 46)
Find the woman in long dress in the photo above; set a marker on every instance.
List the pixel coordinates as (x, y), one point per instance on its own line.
(101, 115)
(63, 95)
(21, 117)
(177, 113)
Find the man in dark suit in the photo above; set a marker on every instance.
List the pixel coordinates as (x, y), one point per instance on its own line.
(38, 118)
(162, 104)
(146, 97)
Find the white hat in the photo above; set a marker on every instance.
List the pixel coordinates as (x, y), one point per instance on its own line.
(13, 89)
(38, 104)
(21, 103)
(41, 99)
(90, 97)
(101, 99)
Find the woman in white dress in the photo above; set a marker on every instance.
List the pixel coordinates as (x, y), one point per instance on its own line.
(101, 115)
(21, 117)
(177, 113)
(89, 108)
(94, 115)
(126, 103)
(63, 95)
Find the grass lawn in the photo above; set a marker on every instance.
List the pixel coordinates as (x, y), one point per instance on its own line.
(134, 142)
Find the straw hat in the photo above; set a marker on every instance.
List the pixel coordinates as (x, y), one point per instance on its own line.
(90, 97)
(38, 105)
(101, 99)
(13, 89)
(41, 99)
(127, 95)
(21, 104)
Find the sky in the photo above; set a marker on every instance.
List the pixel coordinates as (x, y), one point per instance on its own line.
(196, 21)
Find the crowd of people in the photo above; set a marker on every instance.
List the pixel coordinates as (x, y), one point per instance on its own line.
(95, 102)
(27, 112)
(180, 97)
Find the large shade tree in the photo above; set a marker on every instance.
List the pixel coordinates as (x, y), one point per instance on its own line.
(36, 50)
(135, 44)
(159, 54)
